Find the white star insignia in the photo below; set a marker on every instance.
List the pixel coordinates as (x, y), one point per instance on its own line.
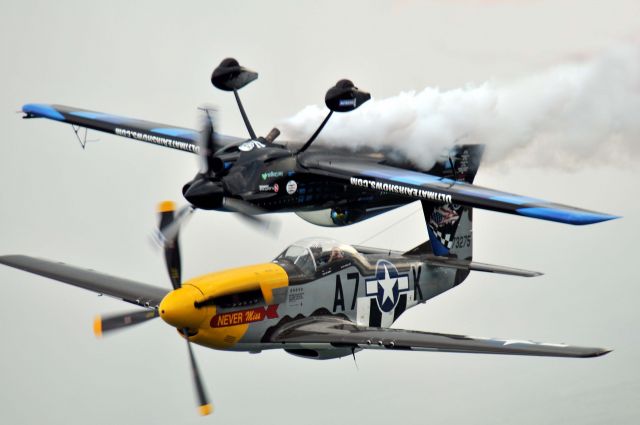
(387, 285)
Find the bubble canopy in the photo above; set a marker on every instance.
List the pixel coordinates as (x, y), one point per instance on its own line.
(313, 254)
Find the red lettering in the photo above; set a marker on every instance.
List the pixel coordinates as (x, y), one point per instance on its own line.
(245, 316)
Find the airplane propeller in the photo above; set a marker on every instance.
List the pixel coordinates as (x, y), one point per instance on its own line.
(204, 406)
(174, 268)
(207, 191)
(107, 324)
(169, 241)
(170, 224)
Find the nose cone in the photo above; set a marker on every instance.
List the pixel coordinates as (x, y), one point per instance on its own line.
(204, 193)
(177, 308)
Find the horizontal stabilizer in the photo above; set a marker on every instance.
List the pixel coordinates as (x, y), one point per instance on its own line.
(437, 261)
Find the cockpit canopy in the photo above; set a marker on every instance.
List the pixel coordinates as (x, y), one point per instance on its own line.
(313, 255)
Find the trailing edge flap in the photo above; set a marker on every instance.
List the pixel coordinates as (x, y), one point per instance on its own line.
(342, 333)
(124, 289)
(169, 136)
(434, 260)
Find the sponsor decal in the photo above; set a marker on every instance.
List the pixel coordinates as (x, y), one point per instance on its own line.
(401, 190)
(158, 140)
(291, 187)
(251, 145)
(271, 175)
(242, 317)
(387, 285)
(347, 102)
(269, 188)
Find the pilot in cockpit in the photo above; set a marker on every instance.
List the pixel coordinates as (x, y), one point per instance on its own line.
(336, 254)
(318, 254)
(328, 256)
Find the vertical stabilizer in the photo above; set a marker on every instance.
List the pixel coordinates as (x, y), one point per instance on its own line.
(450, 225)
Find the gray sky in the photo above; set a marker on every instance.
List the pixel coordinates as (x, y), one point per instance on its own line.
(96, 208)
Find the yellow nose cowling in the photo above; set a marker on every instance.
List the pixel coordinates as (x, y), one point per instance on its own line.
(177, 308)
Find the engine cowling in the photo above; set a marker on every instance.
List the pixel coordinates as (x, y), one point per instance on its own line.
(204, 193)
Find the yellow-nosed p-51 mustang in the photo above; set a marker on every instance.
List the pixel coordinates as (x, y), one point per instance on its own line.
(318, 299)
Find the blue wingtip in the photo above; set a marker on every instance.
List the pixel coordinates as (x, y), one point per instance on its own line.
(565, 216)
(42, 110)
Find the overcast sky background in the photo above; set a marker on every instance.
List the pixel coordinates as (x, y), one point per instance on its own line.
(96, 208)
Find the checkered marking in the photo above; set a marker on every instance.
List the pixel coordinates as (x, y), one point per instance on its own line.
(445, 239)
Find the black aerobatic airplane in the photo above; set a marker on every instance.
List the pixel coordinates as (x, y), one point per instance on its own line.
(333, 187)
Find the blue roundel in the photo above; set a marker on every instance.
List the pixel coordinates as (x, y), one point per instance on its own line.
(387, 285)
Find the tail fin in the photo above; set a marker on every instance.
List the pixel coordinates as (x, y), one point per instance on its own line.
(450, 229)
(460, 163)
(450, 225)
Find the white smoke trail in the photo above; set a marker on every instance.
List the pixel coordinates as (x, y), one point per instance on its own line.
(570, 114)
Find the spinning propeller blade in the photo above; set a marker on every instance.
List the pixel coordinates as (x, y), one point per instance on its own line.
(104, 325)
(250, 213)
(169, 233)
(204, 406)
(207, 142)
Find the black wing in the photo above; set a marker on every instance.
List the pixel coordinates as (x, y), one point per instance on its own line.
(342, 333)
(124, 289)
(180, 138)
(368, 174)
